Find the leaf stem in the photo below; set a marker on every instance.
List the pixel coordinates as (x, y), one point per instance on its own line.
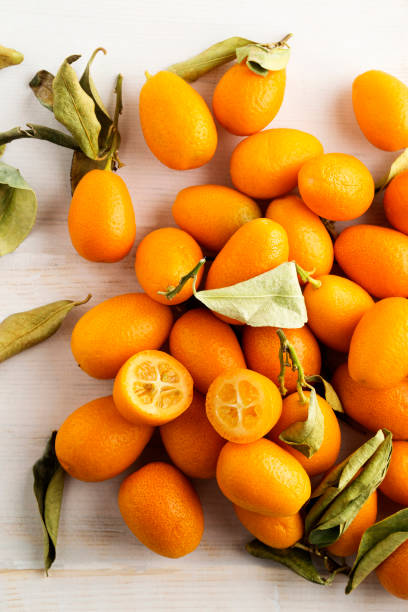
(171, 292)
(330, 564)
(287, 350)
(307, 277)
(39, 132)
(114, 136)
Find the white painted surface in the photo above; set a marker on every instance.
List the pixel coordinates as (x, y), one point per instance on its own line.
(100, 565)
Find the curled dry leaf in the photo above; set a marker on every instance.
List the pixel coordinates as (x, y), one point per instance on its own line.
(18, 209)
(9, 57)
(22, 330)
(399, 165)
(273, 298)
(41, 85)
(262, 59)
(343, 492)
(48, 491)
(89, 87)
(378, 542)
(75, 109)
(327, 391)
(216, 55)
(307, 436)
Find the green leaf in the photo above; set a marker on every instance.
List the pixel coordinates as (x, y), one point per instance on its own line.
(273, 298)
(399, 165)
(18, 209)
(89, 87)
(9, 57)
(327, 391)
(48, 491)
(377, 544)
(307, 436)
(296, 559)
(262, 59)
(22, 330)
(41, 85)
(216, 55)
(75, 109)
(343, 492)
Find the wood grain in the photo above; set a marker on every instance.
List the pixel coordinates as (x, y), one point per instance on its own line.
(100, 566)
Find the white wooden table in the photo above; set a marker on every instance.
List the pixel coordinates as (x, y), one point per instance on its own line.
(100, 566)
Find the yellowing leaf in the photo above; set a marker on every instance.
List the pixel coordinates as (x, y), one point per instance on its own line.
(273, 298)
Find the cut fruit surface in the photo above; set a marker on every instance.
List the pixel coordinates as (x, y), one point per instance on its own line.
(152, 387)
(243, 405)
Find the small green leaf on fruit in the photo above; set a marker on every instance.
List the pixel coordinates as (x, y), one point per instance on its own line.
(263, 59)
(273, 298)
(307, 436)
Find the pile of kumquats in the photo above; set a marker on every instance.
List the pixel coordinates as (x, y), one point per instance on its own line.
(215, 351)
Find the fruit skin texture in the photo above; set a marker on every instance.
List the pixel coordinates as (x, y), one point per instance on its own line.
(135, 394)
(293, 411)
(278, 532)
(212, 213)
(247, 392)
(96, 443)
(378, 356)
(262, 477)
(261, 350)
(176, 122)
(160, 506)
(380, 103)
(396, 202)
(349, 541)
(392, 573)
(206, 346)
(376, 258)
(101, 219)
(244, 102)
(266, 165)
(112, 331)
(334, 309)
(310, 244)
(162, 258)
(191, 442)
(374, 408)
(395, 483)
(336, 186)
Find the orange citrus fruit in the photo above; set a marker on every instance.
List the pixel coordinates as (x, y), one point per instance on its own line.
(191, 442)
(392, 573)
(265, 245)
(176, 122)
(374, 408)
(274, 531)
(396, 202)
(310, 244)
(349, 541)
(163, 257)
(96, 443)
(336, 186)
(245, 102)
(162, 509)
(376, 258)
(395, 483)
(114, 330)
(212, 213)
(243, 405)
(262, 477)
(261, 349)
(101, 219)
(378, 355)
(380, 103)
(334, 309)
(266, 165)
(205, 345)
(152, 388)
(293, 410)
